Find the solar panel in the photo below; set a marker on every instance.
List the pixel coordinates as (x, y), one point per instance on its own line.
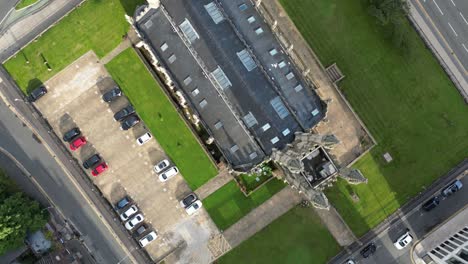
(250, 120)
(279, 107)
(246, 59)
(221, 78)
(214, 12)
(189, 31)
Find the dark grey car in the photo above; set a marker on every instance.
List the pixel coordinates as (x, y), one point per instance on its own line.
(188, 200)
(71, 134)
(91, 161)
(129, 122)
(37, 93)
(368, 250)
(124, 112)
(112, 94)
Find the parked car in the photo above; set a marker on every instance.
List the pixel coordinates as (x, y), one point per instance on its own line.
(188, 200)
(403, 241)
(144, 138)
(162, 165)
(124, 112)
(431, 203)
(452, 188)
(78, 143)
(112, 94)
(368, 250)
(129, 122)
(147, 239)
(37, 93)
(191, 209)
(91, 161)
(71, 134)
(122, 203)
(134, 221)
(129, 212)
(140, 230)
(169, 173)
(102, 167)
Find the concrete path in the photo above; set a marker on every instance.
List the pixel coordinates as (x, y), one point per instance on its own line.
(262, 216)
(121, 47)
(337, 227)
(214, 184)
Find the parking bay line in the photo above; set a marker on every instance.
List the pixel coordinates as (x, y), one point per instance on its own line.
(440, 10)
(454, 32)
(464, 19)
(466, 49)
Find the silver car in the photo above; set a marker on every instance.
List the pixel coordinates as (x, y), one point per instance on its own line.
(134, 221)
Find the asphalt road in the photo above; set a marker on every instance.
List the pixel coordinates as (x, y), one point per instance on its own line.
(5, 7)
(418, 222)
(448, 19)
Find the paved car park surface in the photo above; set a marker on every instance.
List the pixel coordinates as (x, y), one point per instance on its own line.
(74, 100)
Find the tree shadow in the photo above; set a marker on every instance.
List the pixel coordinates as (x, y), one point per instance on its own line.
(33, 84)
(131, 5)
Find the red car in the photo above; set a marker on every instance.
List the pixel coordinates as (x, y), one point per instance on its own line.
(77, 143)
(102, 167)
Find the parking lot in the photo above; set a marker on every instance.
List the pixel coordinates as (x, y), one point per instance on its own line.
(74, 100)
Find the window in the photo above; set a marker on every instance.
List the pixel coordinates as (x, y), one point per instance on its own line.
(221, 78)
(453, 260)
(172, 58)
(286, 132)
(273, 52)
(195, 92)
(214, 12)
(243, 7)
(463, 254)
(218, 125)
(258, 30)
(315, 112)
(279, 107)
(266, 127)
(251, 19)
(164, 46)
(187, 80)
(246, 59)
(274, 140)
(290, 75)
(234, 148)
(249, 120)
(298, 88)
(203, 103)
(188, 31)
(282, 64)
(253, 155)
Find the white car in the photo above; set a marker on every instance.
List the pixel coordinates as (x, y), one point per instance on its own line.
(191, 209)
(134, 221)
(148, 239)
(169, 173)
(129, 212)
(163, 164)
(143, 138)
(403, 241)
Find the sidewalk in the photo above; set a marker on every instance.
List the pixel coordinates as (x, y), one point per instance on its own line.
(28, 28)
(214, 184)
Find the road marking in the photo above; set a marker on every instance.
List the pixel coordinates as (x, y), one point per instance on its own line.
(454, 32)
(463, 44)
(440, 10)
(464, 19)
(452, 3)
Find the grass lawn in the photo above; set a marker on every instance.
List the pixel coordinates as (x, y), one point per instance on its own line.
(96, 25)
(296, 237)
(24, 3)
(405, 99)
(228, 204)
(161, 118)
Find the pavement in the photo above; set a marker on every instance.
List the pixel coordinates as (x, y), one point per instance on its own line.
(411, 217)
(444, 26)
(78, 201)
(28, 28)
(6, 7)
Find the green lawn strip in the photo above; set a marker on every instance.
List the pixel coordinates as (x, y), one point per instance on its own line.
(161, 118)
(96, 25)
(228, 204)
(298, 236)
(24, 3)
(405, 99)
(250, 180)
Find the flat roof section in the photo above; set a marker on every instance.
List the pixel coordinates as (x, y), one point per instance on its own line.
(299, 96)
(215, 114)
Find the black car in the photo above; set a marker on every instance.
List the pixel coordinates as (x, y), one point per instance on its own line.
(188, 200)
(124, 112)
(91, 161)
(431, 203)
(122, 203)
(368, 250)
(129, 122)
(37, 93)
(112, 94)
(140, 230)
(71, 134)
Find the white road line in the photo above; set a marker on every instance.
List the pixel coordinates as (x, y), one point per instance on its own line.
(452, 3)
(464, 19)
(464, 47)
(453, 29)
(440, 10)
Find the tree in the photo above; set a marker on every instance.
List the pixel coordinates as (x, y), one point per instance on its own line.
(18, 215)
(392, 14)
